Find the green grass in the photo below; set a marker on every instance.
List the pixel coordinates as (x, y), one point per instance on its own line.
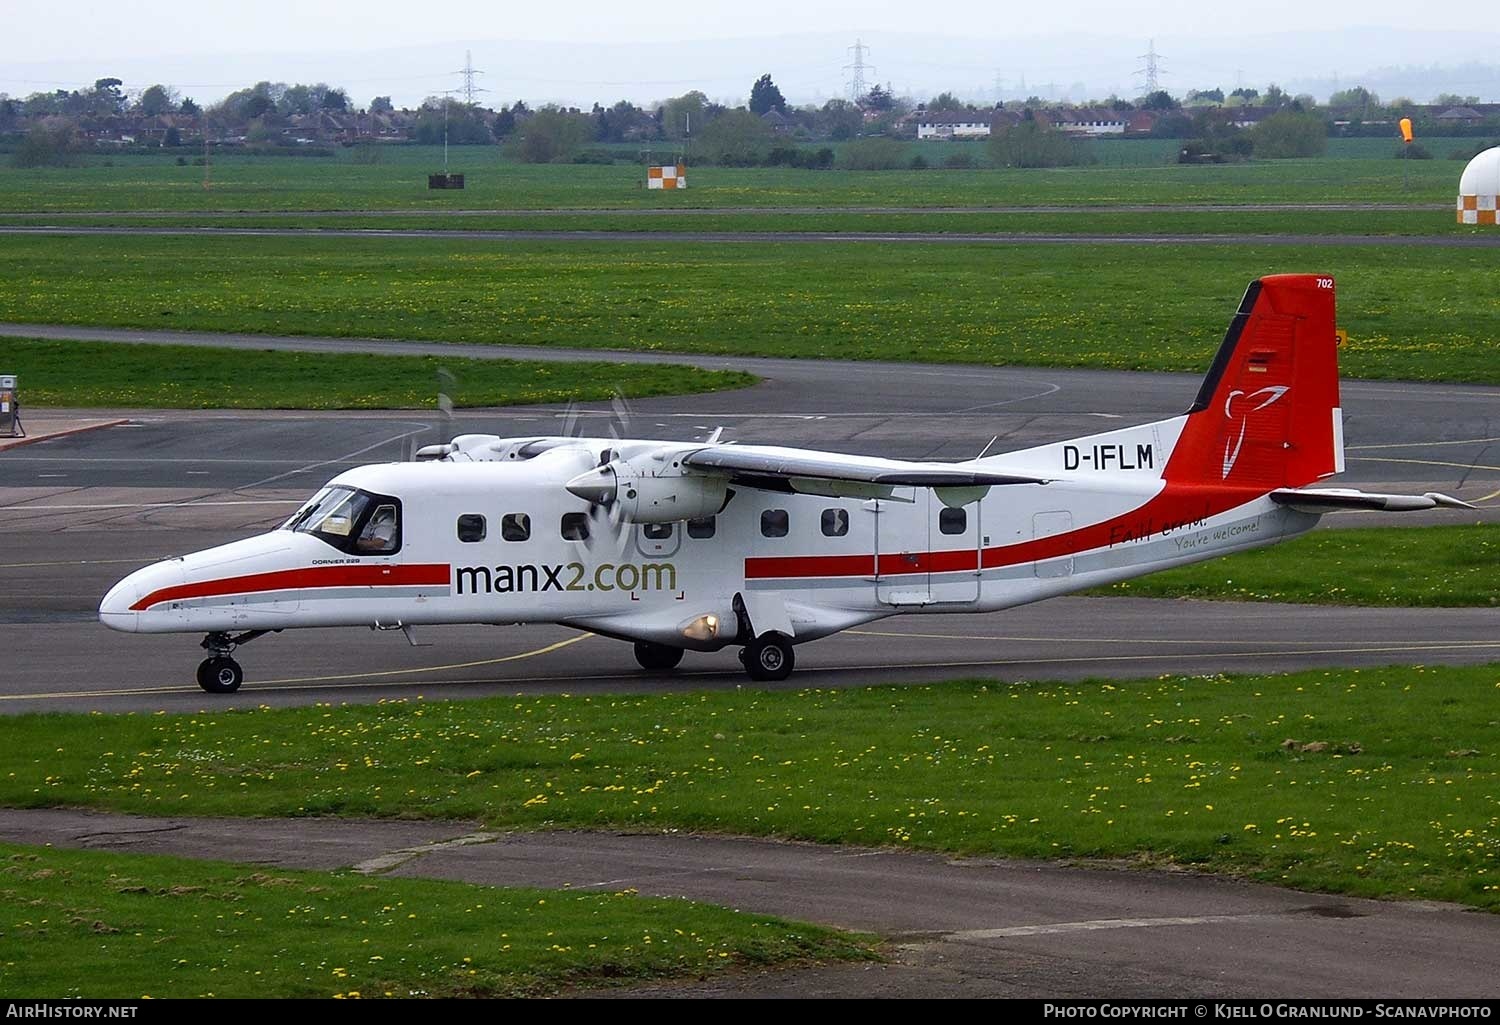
(1396, 796)
(1047, 221)
(82, 374)
(90, 924)
(399, 182)
(1158, 307)
(1391, 566)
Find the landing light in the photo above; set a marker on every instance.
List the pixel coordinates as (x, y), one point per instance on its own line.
(703, 628)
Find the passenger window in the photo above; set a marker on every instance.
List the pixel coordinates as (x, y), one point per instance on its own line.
(471, 528)
(953, 521)
(379, 536)
(575, 526)
(701, 529)
(657, 531)
(835, 522)
(774, 523)
(515, 527)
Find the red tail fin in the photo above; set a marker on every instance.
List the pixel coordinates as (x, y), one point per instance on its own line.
(1268, 413)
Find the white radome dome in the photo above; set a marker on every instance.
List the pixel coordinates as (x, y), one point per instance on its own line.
(1482, 176)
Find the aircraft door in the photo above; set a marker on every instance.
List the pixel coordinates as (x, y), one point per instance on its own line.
(903, 548)
(957, 542)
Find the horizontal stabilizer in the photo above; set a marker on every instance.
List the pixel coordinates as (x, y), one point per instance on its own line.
(1322, 500)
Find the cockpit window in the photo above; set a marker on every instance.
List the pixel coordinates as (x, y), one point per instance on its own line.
(352, 521)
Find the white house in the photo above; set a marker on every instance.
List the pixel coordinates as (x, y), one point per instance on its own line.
(954, 125)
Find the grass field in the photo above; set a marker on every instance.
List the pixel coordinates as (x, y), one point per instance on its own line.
(91, 924)
(144, 183)
(66, 373)
(837, 221)
(1424, 316)
(1377, 782)
(1408, 567)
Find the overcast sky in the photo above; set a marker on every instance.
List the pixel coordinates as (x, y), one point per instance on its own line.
(407, 49)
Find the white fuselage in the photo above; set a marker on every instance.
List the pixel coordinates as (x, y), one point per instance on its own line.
(802, 564)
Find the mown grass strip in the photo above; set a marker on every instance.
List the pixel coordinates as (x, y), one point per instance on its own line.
(399, 181)
(1078, 221)
(1377, 782)
(1127, 307)
(123, 926)
(1409, 567)
(84, 374)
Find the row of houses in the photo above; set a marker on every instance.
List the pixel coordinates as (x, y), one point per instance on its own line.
(1103, 122)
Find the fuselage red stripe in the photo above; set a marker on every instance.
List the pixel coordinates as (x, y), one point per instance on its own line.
(1175, 506)
(372, 575)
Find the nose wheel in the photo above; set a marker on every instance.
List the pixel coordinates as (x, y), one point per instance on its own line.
(220, 674)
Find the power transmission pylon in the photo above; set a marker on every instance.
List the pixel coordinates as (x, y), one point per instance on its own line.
(1152, 70)
(468, 71)
(857, 70)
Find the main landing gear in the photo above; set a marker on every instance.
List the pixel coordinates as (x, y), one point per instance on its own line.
(657, 656)
(219, 673)
(768, 657)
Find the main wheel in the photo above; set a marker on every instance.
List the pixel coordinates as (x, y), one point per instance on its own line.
(657, 656)
(220, 675)
(769, 657)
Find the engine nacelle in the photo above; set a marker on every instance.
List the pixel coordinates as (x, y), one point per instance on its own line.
(642, 496)
(645, 498)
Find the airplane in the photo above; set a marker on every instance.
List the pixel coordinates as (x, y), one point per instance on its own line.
(700, 545)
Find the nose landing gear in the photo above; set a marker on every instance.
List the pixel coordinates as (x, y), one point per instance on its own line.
(219, 673)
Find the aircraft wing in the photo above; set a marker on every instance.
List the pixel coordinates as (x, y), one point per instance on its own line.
(779, 469)
(1322, 500)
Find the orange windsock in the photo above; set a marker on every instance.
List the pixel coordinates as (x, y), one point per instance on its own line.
(1406, 135)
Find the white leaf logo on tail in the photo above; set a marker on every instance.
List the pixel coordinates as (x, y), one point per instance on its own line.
(1271, 393)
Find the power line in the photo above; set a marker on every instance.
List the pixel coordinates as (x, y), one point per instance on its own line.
(1152, 69)
(468, 72)
(857, 70)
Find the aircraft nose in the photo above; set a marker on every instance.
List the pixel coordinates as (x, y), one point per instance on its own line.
(117, 611)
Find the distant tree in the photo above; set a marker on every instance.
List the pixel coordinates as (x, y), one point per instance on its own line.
(1275, 97)
(736, 138)
(108, 99)
(44, 147)
(381, 105)
(172, 137)
(684, 115)
(1304, 101)
(257, 106)
(1289, 133)
(877, 99)
(1159, 100)
(1453, 100)
(946, 101)
(551, 135)
(503, 125)
(1245, 95)
(335, 99)
(1358, 96)
(840, 119)
(1114, 102)
(764, 96)
(158, 100)
(1216, 138)
(1200, 97)
(1032, 144)
(188, 106)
